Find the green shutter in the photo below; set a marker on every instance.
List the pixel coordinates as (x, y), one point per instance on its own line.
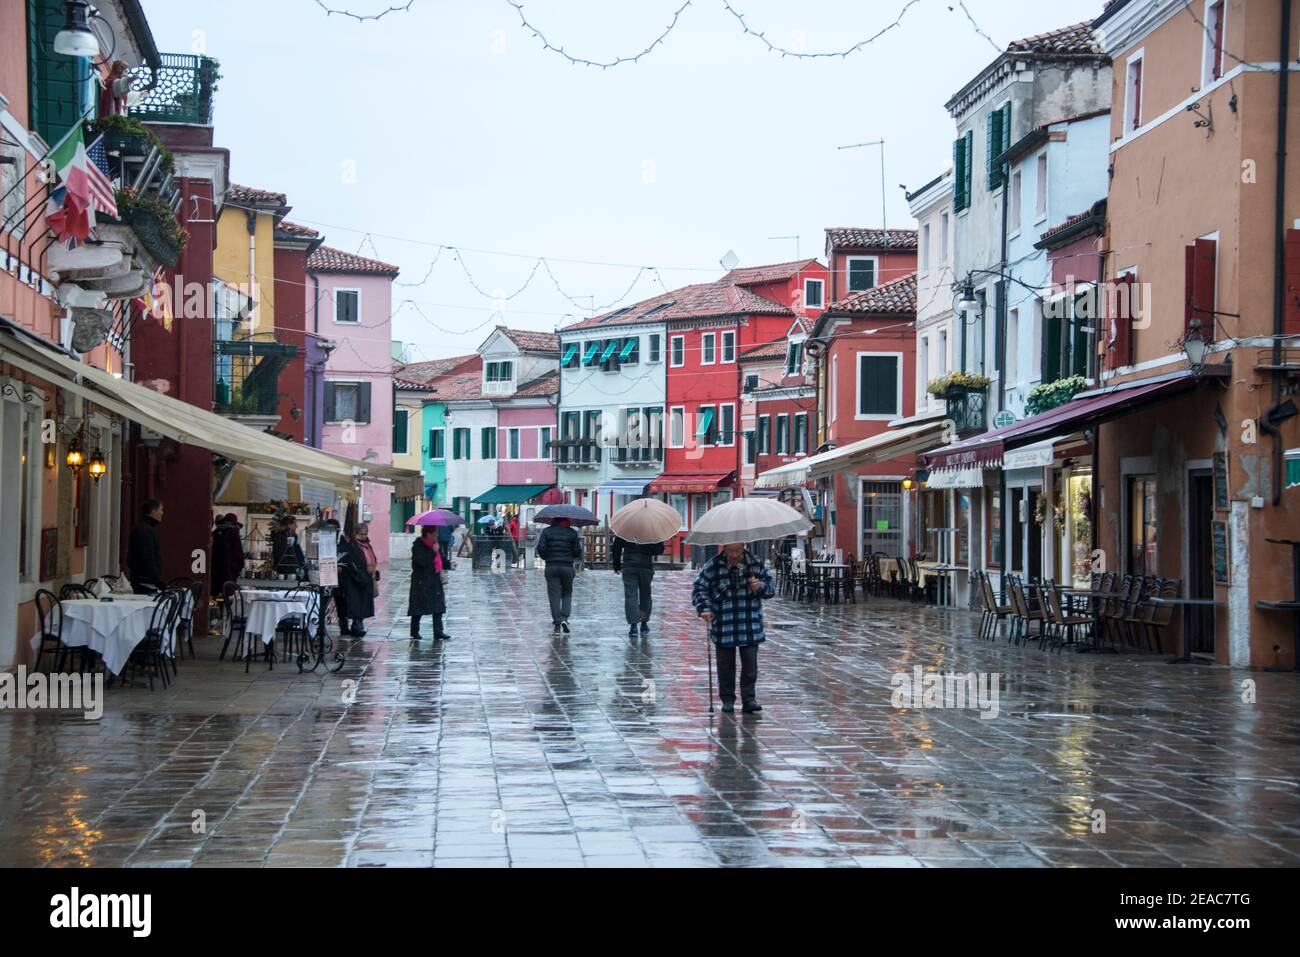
(1051, 347)
(958, 175)
(59, 85)
(994, 129)
(878, 382)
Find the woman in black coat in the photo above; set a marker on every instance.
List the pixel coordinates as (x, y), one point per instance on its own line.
(427, 597)
(356, 587)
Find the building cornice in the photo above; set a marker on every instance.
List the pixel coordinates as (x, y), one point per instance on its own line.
(1133, 21)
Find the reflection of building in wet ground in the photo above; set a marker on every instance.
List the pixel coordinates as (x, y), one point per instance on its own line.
(508, 747)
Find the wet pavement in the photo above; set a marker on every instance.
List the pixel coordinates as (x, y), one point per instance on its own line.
(509, 747)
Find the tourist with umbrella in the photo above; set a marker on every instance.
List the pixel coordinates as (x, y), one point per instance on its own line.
(561, 548)
(640, 530)
(428, 571)
(731, 587)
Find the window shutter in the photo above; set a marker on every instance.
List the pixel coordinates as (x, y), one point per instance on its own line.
(1291, 322)
(1120, 319)
(329, 403)
(993, 128)
(1051, 347)
(959, 174)
(1202, 269)
(58, 94)
(363, 403)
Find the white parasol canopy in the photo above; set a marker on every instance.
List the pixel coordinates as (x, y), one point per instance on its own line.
(747, 520)
(647, 521)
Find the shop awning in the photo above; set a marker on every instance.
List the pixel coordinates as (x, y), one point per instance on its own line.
(896, 443)
(988, 449)
(627, 348)
(188, 424)
(706, 420)
(569, 354)
(590, 353)
(511, 494)
(690, 483)
(625, 486)
(972, 477)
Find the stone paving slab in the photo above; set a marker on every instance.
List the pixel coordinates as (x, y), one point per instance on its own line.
(509, 747)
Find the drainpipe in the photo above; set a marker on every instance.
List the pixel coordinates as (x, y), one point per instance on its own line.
(316, 439)
(1279, 242)
(251, 218)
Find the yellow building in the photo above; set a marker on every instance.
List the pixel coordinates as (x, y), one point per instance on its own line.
(245, 255)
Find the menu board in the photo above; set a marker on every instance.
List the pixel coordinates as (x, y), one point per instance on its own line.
(1222, 575)
(1221, 481)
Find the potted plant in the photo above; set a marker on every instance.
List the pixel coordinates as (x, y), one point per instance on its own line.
(154, 224)
(1050, 395)
(957, 384)
(127, 136)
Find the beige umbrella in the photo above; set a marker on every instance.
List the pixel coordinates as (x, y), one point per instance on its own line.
(647, 521)
(745, 520)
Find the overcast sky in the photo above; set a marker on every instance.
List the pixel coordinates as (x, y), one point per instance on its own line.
(451, 124)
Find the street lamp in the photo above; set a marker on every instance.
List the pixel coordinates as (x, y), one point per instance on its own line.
(1195, 346)
(76, 37)
(968, 302)
(97, 466)
(75, 457)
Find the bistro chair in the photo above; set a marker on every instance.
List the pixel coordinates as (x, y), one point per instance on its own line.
(49, 617)
(190, 598)
(236, 619)
(73, 592)
(1064, 623)
(1151, 619)
(1026, 612)
(152, 652)
(993, 612)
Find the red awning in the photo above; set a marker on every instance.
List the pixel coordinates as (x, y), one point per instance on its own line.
(988, 448)
(690, 483)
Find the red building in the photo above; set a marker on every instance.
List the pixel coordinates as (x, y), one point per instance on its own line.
(865, 348)
(709, 326)
(778, 405)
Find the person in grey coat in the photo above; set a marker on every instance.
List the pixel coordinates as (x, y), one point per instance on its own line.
(636, 563)
(560, 547)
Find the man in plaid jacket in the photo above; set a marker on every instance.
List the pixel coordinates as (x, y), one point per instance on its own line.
(729, 594)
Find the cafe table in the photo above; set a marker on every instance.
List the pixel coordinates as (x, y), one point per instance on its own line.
(834, 570)
(112, 629)
(1187, 604)
(263, 613)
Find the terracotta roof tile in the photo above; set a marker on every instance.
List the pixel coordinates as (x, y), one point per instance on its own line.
(701, 301)
(854, 237)
(531, 341)
(546, 385)
(295, 229)
(757, 275)
(424, 373)
(891, 298)
(776, 349)
(250, 196)
(329, 259)
(1076, 39)
(459, 387)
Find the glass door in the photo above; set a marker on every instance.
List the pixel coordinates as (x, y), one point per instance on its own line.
(882, 518)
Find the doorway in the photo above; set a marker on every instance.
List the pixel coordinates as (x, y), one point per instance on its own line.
(1200, 561)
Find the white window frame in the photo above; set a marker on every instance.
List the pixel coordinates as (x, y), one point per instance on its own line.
(1133, 117)
(722, 345)
(799, 436)
(763, 440)
(712, 340)
(30, 404)
(676, 416)
(514, 444)
(1207, 41)
(1012, 357)
(542, 454)
(833, 400)
(821, 283)
(654, 347)
(338, 382)
(945, 231)
(848, 272)
(1015, 200)
(443, 457)
(1043, 186)
(735, 426)
(857, 390)
(673, 344)
(335, 297)
(781, 438)
(789, 349)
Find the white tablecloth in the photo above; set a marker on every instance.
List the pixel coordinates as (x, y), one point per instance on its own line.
(262, 616)
(111, 628)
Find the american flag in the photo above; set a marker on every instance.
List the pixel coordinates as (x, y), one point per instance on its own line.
(101, 187)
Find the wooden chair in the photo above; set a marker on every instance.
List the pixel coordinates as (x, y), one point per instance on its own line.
(1064, 623)
(994, 613)
(1150, 619)
(1026, 611)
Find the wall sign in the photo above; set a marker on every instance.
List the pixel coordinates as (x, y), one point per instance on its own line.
(1222, 574)
(1221, 481)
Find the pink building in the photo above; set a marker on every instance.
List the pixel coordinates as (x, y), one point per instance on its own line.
(354, 299)
(525, 428)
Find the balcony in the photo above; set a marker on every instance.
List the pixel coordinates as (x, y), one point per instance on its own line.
(183, 92)
(640, 456)
(966, 409)
(576, 453)
(246, 378)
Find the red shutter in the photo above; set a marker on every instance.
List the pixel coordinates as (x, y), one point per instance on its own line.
(1200, 286)
(1291, 323)
(1119, 319)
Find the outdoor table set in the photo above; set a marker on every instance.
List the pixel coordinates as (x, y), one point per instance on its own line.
(259, 612)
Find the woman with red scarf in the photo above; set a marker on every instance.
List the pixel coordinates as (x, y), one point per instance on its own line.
(427, 596)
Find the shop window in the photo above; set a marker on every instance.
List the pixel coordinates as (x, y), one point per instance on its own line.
(1143, 525)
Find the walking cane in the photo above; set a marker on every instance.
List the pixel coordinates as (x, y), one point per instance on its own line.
(708, 640)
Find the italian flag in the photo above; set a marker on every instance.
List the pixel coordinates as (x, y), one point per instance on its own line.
(68, 213)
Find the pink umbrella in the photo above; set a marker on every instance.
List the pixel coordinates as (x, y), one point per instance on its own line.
(439, 516)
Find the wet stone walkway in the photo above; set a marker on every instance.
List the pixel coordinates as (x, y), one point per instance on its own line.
(508, 747)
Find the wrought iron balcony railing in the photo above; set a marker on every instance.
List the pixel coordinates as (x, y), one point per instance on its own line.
(246, 375)
(966, 409)
(183, 92)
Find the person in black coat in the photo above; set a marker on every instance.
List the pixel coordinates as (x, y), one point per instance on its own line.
(427, 596)
(560, 547)
(227, 552)
(143, 553)
(356, 586)
(287, 557)
(636, 563)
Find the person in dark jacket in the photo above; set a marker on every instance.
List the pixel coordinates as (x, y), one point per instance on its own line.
(356, 584)
(728, 595)
(143, 553)
(227, 552)
(636, 563)
(427, 596)
(560, 547)
(286, 554)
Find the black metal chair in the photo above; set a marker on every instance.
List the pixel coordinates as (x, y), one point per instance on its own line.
(152, 652)
(236, 619)
(49, 617)
(73, 592)
(192, 594)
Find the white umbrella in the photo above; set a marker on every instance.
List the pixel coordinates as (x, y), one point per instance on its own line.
(647, 521)
(747, 520)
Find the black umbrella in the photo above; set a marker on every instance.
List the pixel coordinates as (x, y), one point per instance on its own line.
(574, 513)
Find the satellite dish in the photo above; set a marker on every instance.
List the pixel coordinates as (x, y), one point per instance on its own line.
(730, 261)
